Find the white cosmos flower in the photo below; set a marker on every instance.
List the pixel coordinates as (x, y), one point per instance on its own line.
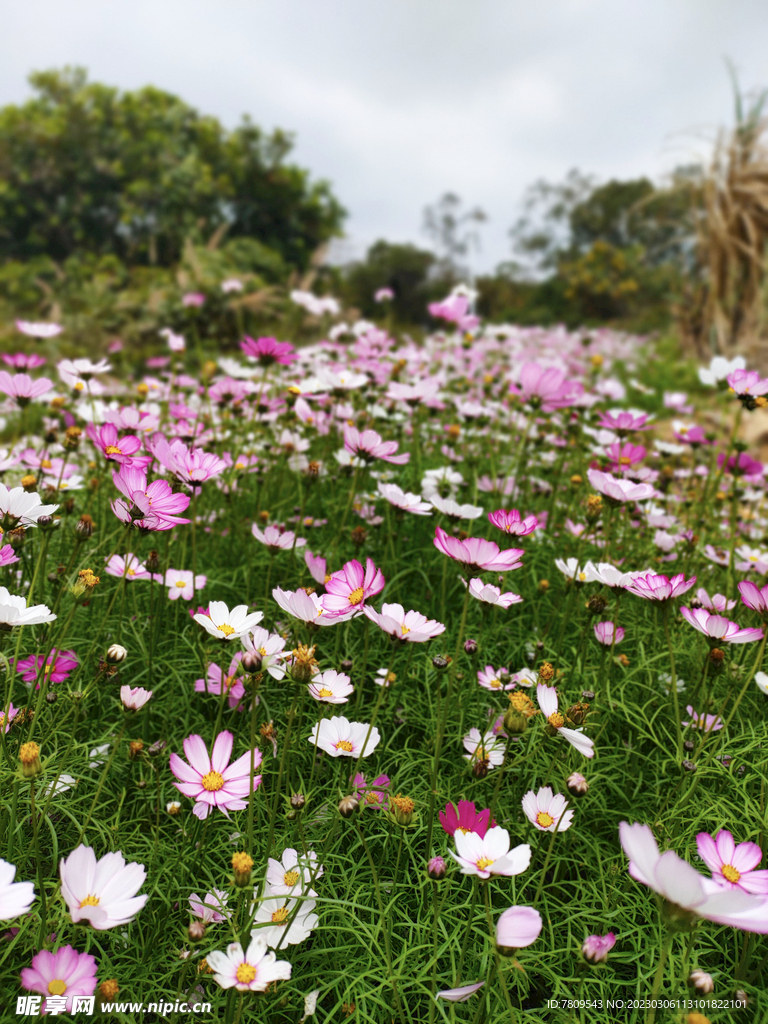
(293, 874)
(570, 568)
(17, 508)
(547, 811)
(489, 854)
(102, 892)
(331, 687)
(484, 747)
(225, 624)
(452, 508)
(273, 923)
(14, 612)
(15, 897)
(404, 500)
(249, 971)
(412, 626)
(339, 737)
(762, 682)
(547, 698)
(269, 647)
(492, 595)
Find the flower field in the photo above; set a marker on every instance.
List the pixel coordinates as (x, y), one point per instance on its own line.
(372, 680)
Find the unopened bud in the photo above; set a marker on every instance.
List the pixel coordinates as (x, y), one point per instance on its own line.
(470, 646)
(689, 746)
(347, 665)
(689, 766)
(196, 931)
(157, 748)
(47, 523)
(17, 538)
(577, 784)
(242, 866)
(152, 561)
(116, 654)
(437, 868)
(440, 663)
(701, 981)
(251, 662)
(587, 694)
(348, 805)
(481, 768)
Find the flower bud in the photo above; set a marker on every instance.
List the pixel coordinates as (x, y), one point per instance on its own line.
(402, 808)
(242, 866)
(251, 662)
(588, 695)
(741, 997)
(303, 664)
(689, 766)
(597, 604)
(51, 696)
(597, 947)
(152, 561)
(347, 665)
(440, 663)
(348, 805)
(689, 746)
(17, 538)
(481, 768)
(84, 528)
(701, 981)
(72, 438)
(577, 784)
(196, 931)
(298, 801)
(116, 654)
(135, 749)
(470, 646)
(437, 868)
(29, 756)
(157, 748)
(47, 523)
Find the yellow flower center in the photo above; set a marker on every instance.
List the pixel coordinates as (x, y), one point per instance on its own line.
(544, 819)
(280, 916)
(326, 693)
(263, 651)
(181, 584)
(131, 572)
(730, 872)
(356, 596)
(495, 684)
(245, 974)
(464, 830)
(89, 901)
(112, 449)
(226, 629)
(239, 465)
(46, 464)
(79, 386)
(57, 987)
(484, 862)
(213, 781)
(291, 877)
(228, 682)
(344, 745)
(624, 461)
(556, 719)
(582, 576)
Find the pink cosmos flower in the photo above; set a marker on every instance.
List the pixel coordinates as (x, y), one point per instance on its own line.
(733, 866)
(347, 590)
(116, 448)
(490, 678)
(483, 747)
(101, 892)
(370, 794)
(268, 648)
(135, 698)
(21, 386)
(518, 927)
(618, 490)
(461, 994)
(708, 723)
(477, 555)
(624, 422)
(404, 500)
(147, 506)
(268, 351)
(687, 890)
(277, 540)
(369, 446)
(23, 360)
(182, 583)
(547, 810)
(317, 567)
(5, 725)
(413, 394)
(193, 466)
(654, 587)
(596, 948)
(128, 566)
(383, 295)
(546, 388)
(455, 309)
(213, 909)
(754, 597)
(607, 633)
(489, 594)
(719, 629)
(65, 973)
(716, 603)
(465, 817)
(512, 522)
(693, 435)
(741, 465)
(410, 627)
(547, 698)
(624, 456)
(306, 607)
(58, 666)
(231, 683)
(7, 555)
(210, 780)
(747, 383)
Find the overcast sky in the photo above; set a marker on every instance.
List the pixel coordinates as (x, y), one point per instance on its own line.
(397, 101)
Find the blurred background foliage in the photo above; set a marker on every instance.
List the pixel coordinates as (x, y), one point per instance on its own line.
(114, 206)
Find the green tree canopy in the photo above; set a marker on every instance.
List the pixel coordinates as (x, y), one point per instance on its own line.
(86, 168)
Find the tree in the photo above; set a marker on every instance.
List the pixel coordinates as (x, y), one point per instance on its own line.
(454, 232)
(85, 168)
(406, 269)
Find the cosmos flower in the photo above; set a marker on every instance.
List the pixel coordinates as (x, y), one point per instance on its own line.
(15, 897)
(224, 624)
(512, 522)
(277, 540)
(608, 634)
(304, 606)
(18, 508)
(654, 587)
(477, 555)
(347, 590)
(101, 892)
(293, 873)
(116, 448)
(489, 854)
(490, 678)
(489, 594)
(267, 351)
(278, 923)
(269, 648)
(733, 866)
(372, 794)
(547, 811)
(249, 971)
(39, 330)
(596, 948)
(14, 612)
(22, 387)
(58, 666)
(617, 489)
(719, 629)
(709, 723)
(404, 500)
(330, 687)
(368, 445)
(210, 780)
(461, 994)
(128, 566)
(181, 583)
(464, 817)
(546, 388)
(518, 927)
(339, 737)
(547, 698)
(212, 909)
(685, 889)
(411, 627)
(134, 699)
(484, 747)
(65, 973)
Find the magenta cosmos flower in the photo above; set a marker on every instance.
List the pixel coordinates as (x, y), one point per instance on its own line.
(210, 780)
(477, 555)
(65, 973)
(371, 794)
(733, 866)
(23, 360)
(607, 633)
(268, 351)
(719, 629)
(147, 506)
(684, 888)
(230, 683)
(369, 446)
(518, 927)
(624, 421)
(654, 587)
(192, 466)
(465, 817)
(512, 522)
(618, 490)
(754, 597)
(411, 627)
(546, 388)
(21, 386)
(58, 666)
(101, 892)
(347, 590)
(116, 448)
